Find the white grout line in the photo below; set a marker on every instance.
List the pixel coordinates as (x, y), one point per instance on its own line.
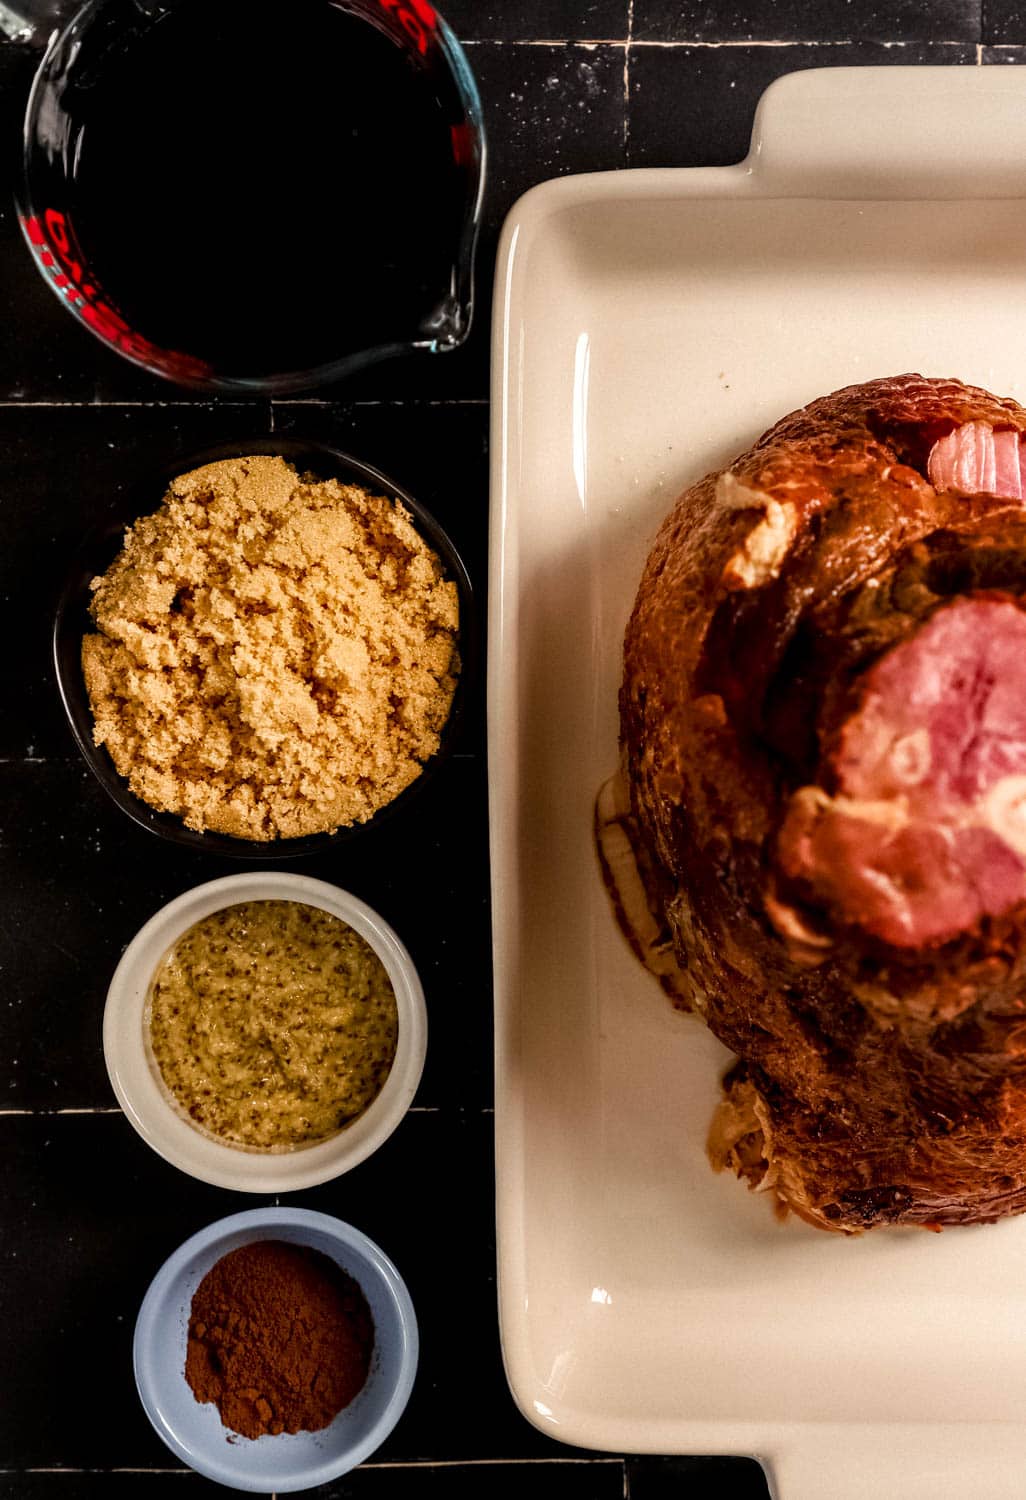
(59, 1470)
(104, 1110)
(415, 1109)
(425, 1463)
(15, 404)
(322, 401)
(800, 42)
(480, 1463)
(633, 41)
(547, 41)
(979, 55)
(627, 84)
(199, 405)
(390, 401)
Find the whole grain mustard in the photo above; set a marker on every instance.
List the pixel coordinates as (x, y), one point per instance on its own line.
(273, 1024)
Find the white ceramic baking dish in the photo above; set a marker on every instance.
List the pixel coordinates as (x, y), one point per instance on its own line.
(648, 326)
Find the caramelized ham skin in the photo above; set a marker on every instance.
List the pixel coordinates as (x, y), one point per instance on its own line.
(826, 764)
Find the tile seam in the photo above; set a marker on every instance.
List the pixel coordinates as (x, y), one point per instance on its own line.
(60, 1469)
(803, 42)
(383, 401)
(634, 41)
(15, 404)
(80, 403)
(546, 41)
(627, 84)
(471, 1463)
(43, 1112)
(606, 1460)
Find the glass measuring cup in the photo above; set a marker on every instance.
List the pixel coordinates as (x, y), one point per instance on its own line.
(242, 202)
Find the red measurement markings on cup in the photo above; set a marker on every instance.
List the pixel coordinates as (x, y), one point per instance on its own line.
(52, 240)
(416, 17)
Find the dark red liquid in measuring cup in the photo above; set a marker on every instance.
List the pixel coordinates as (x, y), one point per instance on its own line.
(266, 189)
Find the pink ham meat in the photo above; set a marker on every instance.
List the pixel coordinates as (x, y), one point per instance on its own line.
(975, 460)
(927, 831)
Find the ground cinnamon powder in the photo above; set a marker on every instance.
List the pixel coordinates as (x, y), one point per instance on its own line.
(280, 1339)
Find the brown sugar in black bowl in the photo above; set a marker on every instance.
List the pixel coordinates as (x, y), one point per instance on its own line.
(100, 548)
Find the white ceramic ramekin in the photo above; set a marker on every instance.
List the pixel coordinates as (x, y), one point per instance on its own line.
(149, 1106)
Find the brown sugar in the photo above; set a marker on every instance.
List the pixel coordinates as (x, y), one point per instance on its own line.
(280, 1339)
(275, 655)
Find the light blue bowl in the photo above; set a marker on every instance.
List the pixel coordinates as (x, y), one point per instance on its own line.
(292, 1461)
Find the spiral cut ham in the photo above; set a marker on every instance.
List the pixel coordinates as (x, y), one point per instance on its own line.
(976, 460)
(823, 791)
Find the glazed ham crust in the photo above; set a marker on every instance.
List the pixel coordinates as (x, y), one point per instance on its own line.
(823, 719)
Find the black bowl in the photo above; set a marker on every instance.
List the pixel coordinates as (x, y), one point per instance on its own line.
(101, 546)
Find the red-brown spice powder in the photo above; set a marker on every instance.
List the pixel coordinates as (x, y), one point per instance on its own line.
(280, 1339)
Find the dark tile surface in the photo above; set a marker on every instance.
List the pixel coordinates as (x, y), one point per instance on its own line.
(678, 1478)
(80, 880)
(90, 1215)
(799, 21)
(562, 1479)
(62, 466)
(554, 110)
(693, 106)
(565, 1479)
(89, 1212)
(1004, 21)
(179, 1484)
(555, 20)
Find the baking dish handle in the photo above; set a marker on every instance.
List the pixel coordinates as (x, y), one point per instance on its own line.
(921, 1461)
(892, 132)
